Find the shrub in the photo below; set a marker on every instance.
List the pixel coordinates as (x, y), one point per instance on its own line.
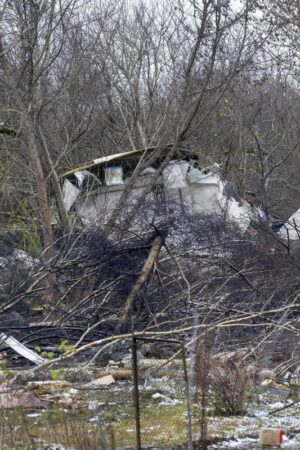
(232, 388)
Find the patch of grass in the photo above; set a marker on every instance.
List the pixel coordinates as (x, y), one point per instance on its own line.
(66, 347)
(160, 425)
(9, 373)
(56, 374)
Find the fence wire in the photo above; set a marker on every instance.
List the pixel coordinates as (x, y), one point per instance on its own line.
(161, 394)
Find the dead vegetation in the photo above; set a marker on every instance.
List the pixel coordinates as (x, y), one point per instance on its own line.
(204, 275)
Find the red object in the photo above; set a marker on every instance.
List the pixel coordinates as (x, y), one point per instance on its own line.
(281, 433)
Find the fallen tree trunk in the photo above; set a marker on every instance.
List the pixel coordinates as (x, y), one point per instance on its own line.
(146, 270)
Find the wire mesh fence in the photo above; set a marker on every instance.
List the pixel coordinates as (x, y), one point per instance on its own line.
(161, 394)
(172, 401)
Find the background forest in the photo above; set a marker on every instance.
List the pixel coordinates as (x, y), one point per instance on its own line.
(84, 79)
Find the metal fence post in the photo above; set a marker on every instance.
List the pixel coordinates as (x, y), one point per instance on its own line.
(136, 392)
(188, 400)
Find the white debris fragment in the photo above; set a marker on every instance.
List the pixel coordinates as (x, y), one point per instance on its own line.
(239, 215)
(291, 229)
(165, 401)
(21, 349)
(94, 419)
(70, 194)
(174, 174)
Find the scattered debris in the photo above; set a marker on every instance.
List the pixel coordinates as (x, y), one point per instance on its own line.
(104, 381)
(21, 349)
(290, 231)
(70, 194)
(269, 382)
(93, 405)
(183, 186)
(20, 399)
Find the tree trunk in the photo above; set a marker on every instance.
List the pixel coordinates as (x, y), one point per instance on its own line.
(145, 272)
(63, 215)
(41, 184)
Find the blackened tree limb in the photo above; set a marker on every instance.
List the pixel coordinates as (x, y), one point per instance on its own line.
(145, 272)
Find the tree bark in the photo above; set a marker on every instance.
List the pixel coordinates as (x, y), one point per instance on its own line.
(145, 272)
(41, 184)
(63, 215)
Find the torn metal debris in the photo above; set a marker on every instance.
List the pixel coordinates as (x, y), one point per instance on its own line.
(93, 189)
(21, 349)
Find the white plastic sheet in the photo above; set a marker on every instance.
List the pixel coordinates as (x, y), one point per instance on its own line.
(70, 194)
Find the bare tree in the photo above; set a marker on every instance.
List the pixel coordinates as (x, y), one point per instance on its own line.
(168, 73)
(33, 35)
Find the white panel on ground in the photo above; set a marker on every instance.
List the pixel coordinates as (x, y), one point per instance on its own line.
(205, 191)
